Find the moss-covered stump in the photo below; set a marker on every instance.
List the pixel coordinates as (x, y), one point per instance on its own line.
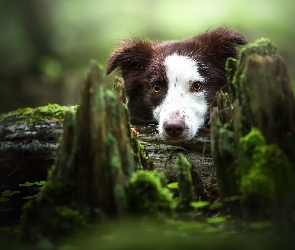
(253, 136)
(186, 191)
(93, 177)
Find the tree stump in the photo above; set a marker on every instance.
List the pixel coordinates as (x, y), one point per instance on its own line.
(253, 136)
(98, 173)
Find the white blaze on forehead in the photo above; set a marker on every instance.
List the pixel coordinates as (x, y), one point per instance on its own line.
(180, 101)
(182, 69)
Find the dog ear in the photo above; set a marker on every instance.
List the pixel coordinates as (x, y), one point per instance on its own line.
(131, 55)
(220, 43)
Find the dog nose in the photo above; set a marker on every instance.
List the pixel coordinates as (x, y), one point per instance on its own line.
(174, 128)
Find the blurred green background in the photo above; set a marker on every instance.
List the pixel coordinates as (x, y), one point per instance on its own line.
(45, 45)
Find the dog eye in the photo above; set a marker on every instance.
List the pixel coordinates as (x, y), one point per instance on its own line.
(156, 88)
(197, 86)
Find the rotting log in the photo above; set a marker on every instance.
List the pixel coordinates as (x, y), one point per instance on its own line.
(29, 140)
(164, 155)
(253, 136)
(28, 143)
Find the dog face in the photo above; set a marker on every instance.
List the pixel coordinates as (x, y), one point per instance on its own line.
(175, 82)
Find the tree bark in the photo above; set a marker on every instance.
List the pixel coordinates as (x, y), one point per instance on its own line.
(29, 142)
(253, 136)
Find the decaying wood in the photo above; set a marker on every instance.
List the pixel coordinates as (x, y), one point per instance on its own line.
(253, 136)
(27, 151)
(164, 155)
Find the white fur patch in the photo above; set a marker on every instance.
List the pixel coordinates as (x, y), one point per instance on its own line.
(180, 102)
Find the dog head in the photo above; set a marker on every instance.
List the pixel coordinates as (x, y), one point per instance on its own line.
(175, 82)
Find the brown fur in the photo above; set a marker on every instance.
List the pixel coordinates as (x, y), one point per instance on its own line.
(141, 64)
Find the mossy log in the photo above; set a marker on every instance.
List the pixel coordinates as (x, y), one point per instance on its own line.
(29, 140)
(253, 136)
(28, 143)
(30, 137)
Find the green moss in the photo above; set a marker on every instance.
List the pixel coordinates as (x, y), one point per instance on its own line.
(140, 155)
(59, 220)
(56, 217)
(253, 141)
(236, 69)
(147, 195)
(115, 159)
(270, 178)
(226, 140)
(49, 113)
(186, 188)
(68, 218)
(231, 68)
(53, 213)
(262, 47)
(144, 154)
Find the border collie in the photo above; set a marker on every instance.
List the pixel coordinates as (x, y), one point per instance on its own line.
(175, 82)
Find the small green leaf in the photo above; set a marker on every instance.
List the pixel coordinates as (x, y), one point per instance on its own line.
(40, 183)
(6, 193)
(173, 185)
(199, 204)
(14, 192)
(26, 184)
(9, 193)
(216, 220)
(30, 197)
